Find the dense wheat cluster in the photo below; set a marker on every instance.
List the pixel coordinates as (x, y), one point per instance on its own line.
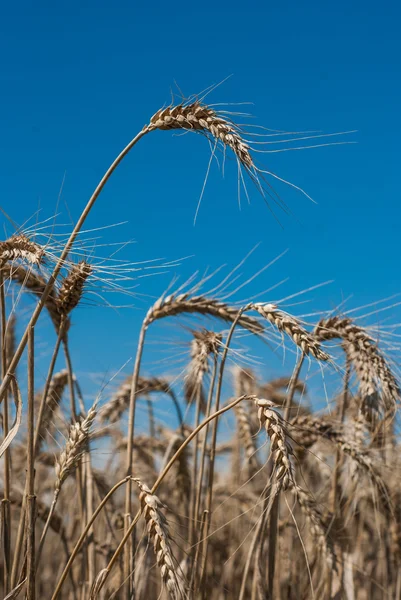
(238, 488)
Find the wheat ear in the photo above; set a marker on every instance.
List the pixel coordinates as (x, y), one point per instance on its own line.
(204, 119)
(372, 369)
(292, 327)
(21, 247)
(272, 421)
(151, 508)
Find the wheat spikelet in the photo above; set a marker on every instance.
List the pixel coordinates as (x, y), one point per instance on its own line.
(21, 247)
(292, 327)
(119, 402)
(271, 420)
(203, 345)
(54, 395)
(67, 460)
(173, 305)
(203, 119)
(158, 532)
(371, 367)
(72, 287)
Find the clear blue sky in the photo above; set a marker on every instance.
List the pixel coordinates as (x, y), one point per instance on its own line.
(79, 79)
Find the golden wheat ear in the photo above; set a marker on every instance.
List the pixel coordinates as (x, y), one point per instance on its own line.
(204, 119)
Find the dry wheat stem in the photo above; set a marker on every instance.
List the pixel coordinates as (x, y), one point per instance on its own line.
(30, 478)
(205, 343)
(5, 503)
(52, 279)
(196, 518)
(160, 478)
(237, 320)
(67, 461)
(37, 442)
(168, 306)
(83, 535)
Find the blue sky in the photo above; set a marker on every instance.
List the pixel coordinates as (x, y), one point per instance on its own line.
(78, 80)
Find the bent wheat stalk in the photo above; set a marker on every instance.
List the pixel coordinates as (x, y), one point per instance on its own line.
(193, 116)
(67, 461)
(128, 533)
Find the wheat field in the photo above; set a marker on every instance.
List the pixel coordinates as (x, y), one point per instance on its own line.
(291, 501)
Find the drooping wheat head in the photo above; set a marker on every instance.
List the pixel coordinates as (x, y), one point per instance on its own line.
(159, 534)
(173, 305)
(204, 344)
(292, 327)
(203, 119)
(20, 247)
(272, 421)
(378, 386)
(75, 445)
